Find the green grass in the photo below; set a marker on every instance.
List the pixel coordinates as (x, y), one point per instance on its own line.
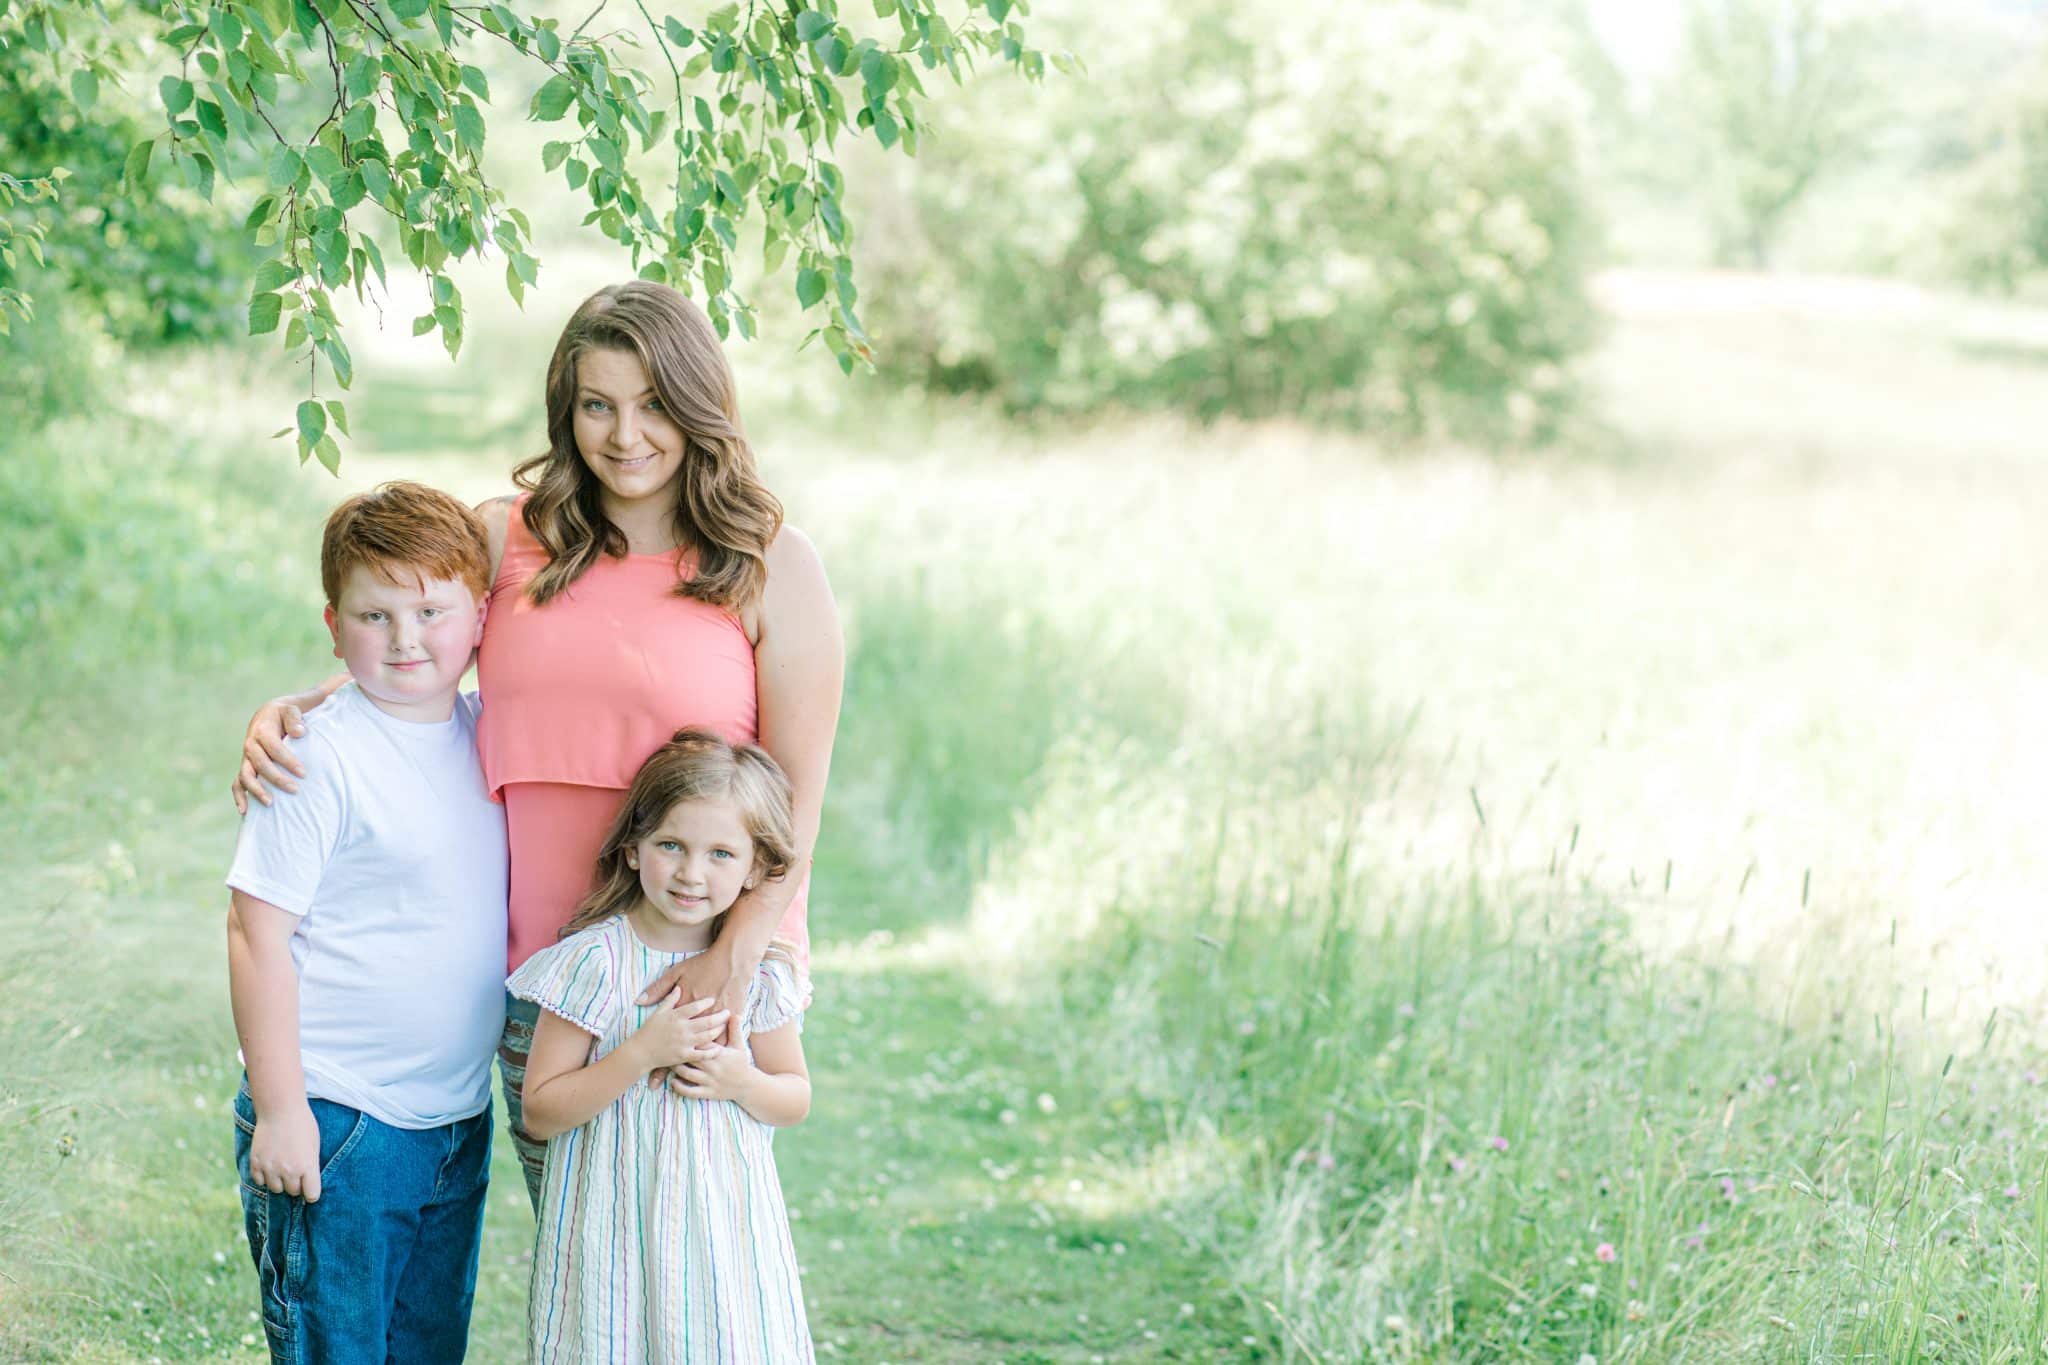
(1278, 899)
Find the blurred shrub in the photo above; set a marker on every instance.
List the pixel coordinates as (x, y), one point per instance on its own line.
(150, 268)
(1365, 213)
(1996, 231)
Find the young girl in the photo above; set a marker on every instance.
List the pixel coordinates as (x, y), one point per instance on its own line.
(662, 1233)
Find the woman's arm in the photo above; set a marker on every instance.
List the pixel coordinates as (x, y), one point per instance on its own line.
(562, 1092)
(800, 666)
(775, 1087)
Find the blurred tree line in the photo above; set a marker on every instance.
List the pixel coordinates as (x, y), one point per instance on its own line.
(1372, 212)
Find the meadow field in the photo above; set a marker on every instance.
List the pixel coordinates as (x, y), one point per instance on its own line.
(1283, 896)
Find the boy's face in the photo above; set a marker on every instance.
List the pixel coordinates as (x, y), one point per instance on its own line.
(406, 644)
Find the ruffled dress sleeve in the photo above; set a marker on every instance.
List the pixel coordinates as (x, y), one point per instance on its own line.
(777, 997)
(573, 979)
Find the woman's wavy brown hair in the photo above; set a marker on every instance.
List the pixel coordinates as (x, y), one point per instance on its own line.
(723, 514)
(696, 765)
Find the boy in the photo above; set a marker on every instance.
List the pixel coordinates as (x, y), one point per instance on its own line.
(366, 958)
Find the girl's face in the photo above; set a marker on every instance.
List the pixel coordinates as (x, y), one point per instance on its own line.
(627, 441)
(692, 866)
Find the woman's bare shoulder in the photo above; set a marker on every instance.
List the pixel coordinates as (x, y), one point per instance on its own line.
(497, 516)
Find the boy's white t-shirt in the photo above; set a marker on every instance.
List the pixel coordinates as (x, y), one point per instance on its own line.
(392, 855)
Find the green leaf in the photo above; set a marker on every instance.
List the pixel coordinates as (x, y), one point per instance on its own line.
(85, 87)
(810, 25)
(831, 52)
(998, 10)
(328, 453)
(135, 171)
(553, 154)
(264, 311)
(376, 180)
(349, 190)
(211, 119)
(728, 189)
(323, 161)
(553, 99)
(810, 287)
(885, 128)
(475, 81)
(339, 413)
(469, 126)
(408, 9)
(284, 167)
(344, 364)
(362, 77)
(199, 171)
(312, 421)
(423, 324)
(273, 274)
(677, 34)
(360, 121)
(176, 93)
(550, 44)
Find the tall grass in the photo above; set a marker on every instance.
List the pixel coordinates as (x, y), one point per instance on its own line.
(1374, 947)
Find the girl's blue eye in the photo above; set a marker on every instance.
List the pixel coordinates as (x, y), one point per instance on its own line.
(668, 845)
(721, 853)
(373, 617)
(430, 612)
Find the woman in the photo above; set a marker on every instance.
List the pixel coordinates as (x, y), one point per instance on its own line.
(644, 582)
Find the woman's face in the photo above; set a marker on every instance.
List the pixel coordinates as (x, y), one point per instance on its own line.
(625, 438)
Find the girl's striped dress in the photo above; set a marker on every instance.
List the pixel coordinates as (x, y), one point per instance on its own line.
(662, 1238)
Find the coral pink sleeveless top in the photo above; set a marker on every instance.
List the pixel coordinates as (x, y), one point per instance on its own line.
(583, 689)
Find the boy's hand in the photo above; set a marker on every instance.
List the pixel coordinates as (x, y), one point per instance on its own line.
(676, 1033)
(284, 1154)
(726, 1074)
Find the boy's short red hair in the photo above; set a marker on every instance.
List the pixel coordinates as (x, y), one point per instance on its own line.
(403, 530)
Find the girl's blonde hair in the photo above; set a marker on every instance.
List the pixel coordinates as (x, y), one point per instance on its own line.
(723, 512)
(695, 765)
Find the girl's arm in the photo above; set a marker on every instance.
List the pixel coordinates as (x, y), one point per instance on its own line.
(564, 1089)
(800, 665)
(266, 758)
(775, 1087)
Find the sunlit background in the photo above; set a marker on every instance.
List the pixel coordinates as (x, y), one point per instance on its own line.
(1446, 709)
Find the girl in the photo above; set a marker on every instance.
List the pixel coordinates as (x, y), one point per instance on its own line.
(644, 582)
(662, 1233)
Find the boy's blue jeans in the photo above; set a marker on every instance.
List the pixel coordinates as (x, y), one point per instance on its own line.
(382, 1267)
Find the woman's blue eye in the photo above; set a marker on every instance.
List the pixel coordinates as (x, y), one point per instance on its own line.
(594, 405)
(654, 405)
